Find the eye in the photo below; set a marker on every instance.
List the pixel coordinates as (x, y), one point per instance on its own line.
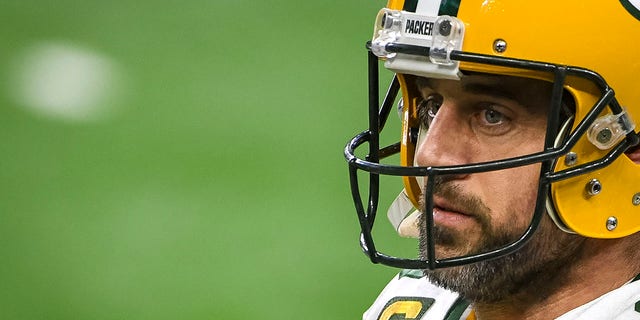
(428, 108)
(492, 122)
(492, 117)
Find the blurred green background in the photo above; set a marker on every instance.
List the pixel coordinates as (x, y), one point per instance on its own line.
(181, 159)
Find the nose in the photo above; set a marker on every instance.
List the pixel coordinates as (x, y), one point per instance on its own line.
(446, 141)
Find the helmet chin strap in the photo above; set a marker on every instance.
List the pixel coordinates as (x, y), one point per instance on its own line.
(551, 209)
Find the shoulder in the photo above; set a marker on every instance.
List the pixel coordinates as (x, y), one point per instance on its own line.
(622, 303)
(410, 294)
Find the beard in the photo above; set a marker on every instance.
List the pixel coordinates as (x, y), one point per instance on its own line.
(532, 272)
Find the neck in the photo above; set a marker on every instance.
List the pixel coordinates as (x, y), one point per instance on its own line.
(587, 279)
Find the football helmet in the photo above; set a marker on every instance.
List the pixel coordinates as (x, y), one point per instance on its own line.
(585, 48)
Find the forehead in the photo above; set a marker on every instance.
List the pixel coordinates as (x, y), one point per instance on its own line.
(526, 91)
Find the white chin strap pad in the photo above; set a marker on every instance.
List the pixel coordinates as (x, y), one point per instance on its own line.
(404, 217)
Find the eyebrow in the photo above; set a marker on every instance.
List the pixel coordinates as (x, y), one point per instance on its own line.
(496, 89)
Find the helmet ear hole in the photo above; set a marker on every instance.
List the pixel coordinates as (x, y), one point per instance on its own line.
(634, 153)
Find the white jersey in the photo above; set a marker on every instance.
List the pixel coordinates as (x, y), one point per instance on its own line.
(411, 296)
(622, 303)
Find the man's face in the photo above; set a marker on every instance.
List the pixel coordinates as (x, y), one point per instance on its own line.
(477, 119)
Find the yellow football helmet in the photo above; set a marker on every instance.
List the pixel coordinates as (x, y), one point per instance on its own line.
(586, 48)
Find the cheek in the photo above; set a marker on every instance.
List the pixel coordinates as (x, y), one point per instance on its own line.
(511, 194)
(526, 139)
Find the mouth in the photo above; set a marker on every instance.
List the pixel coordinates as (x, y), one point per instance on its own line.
(447, 214)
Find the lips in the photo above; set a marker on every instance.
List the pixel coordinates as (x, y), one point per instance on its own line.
(443, 205)
(447, 214)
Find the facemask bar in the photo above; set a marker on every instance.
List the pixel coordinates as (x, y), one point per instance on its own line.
(547, 158)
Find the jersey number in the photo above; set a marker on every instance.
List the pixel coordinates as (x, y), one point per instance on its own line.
(405, 308)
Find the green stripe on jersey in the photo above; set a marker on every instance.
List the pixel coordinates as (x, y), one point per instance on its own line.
(411, 273)
(458, 309)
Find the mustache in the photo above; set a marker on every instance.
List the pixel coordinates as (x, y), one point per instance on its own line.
(454, 195)
(444, 187)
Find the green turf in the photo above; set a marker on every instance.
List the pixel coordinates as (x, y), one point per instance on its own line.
(217, 190)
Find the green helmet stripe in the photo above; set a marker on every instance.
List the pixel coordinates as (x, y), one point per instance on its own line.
(410, 5)
(449, 7)
(633, 9)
